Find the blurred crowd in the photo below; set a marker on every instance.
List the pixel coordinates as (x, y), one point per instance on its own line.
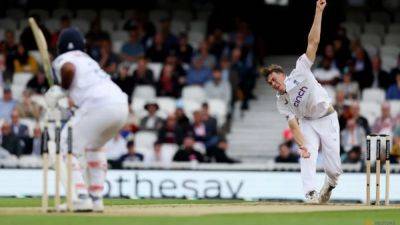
(223, 64)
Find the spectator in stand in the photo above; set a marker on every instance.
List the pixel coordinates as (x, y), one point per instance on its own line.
(184, 50)
(395, 151)
(209, 60)
(210, 121)
(360, 120)
(115, 148)
(65, 22)
(362, 68)
(34, 144)
(9, 141)
(9, 48)
(285, 155)
(217, 43)
(158, 51)
(396, 70)
(329, 54)
(23, 62)
(188, 153)
(198, 74)
(132, 155)
(7, 104)
(20, 130)
(133, 49)
(217, 88)
(381, 79)
(353, 156)
(171, 41)
(177, 67)
(340, 102)
(219, 154)
(168, 84)
(27, 108)
(171, 132)
(393, 93)
(38, 84)
(326, 74)
(345, 115)
(233, 78)
(204, 132)
(151, 122)
(341, 49)
(28, 41)
(94, 37)
(385, 123)
(182, 119)
(108, 60)
(350, 88)
(353, 135)
(124, 81)
(143, 75)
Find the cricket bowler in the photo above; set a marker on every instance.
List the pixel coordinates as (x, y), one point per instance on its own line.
(310, 115)
(102, 112)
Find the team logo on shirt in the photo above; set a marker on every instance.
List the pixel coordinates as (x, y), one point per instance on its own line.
(300, 95)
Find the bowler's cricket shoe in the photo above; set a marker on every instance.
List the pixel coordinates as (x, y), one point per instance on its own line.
(98, 205)
(312, 197)
(325, 193)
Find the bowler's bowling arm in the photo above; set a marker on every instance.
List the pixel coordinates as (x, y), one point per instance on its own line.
(296, 131)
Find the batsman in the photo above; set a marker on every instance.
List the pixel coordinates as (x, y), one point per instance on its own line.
(102, 112)
(310, 115)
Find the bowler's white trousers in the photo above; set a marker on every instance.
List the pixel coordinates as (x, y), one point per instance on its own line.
(321, 134)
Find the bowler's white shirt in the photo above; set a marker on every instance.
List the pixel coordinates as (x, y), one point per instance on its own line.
(304, 96)
(91, 86)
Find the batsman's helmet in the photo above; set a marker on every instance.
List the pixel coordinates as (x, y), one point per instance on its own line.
(70, 39)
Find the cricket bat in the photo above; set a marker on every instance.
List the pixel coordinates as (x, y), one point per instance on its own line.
(42, 46)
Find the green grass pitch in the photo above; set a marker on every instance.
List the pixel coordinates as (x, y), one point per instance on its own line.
(362, 217)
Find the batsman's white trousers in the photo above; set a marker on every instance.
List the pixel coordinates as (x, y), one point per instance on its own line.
(321, 134)
(93, 127)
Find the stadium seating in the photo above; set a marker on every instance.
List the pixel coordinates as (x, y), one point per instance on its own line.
(380, 17)
(156, 68)
(392, 39)
(167, 105)
(110, 14)
(8, 24)
(388, 62)
(86, 14)
(218, 109)
(374, 28)
(144, 141)
(146, 92)
(189, 106)
(168, 151)
(394, 107)
(353, 30)
(43, 14)
(21, 79)
(372, 39)
(370, 110)
(194, 93)
(29, 161)
(394, 28)
(58, 13)
(120, 35)
(15, 14)
(81, 24)
(373, 95)
(52, 24)
(389, 50)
